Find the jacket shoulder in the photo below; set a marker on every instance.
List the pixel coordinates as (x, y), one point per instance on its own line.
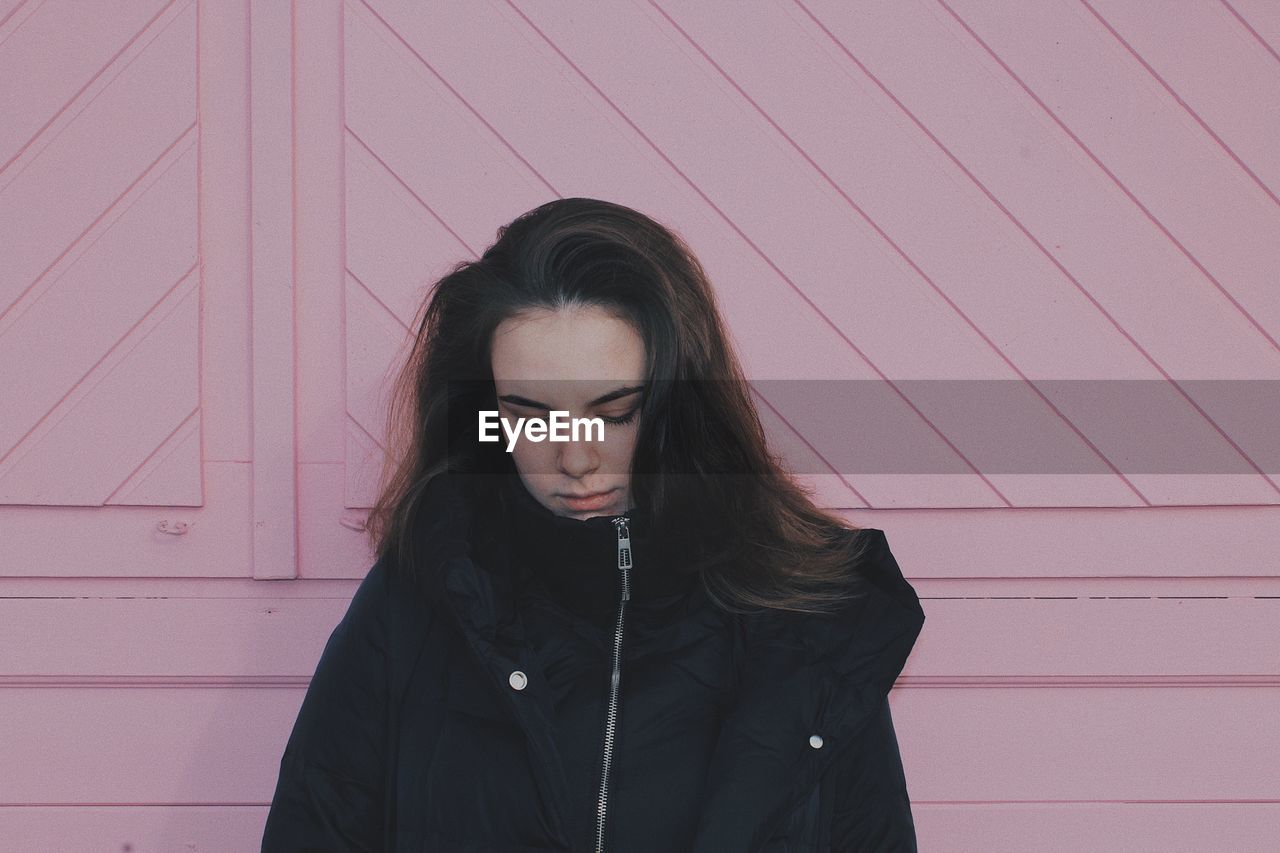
(870, 635)
(405, 614)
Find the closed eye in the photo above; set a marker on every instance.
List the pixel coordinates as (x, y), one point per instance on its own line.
(622, 419)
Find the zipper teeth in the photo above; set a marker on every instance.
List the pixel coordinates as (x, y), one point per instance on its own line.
(624, 564)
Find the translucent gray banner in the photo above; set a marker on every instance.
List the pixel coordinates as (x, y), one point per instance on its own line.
(1016, 427)
(991, 426)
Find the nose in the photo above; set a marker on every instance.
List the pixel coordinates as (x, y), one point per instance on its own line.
(578, 458)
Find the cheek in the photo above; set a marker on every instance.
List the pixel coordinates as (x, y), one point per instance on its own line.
(619, 446)
(533, 457)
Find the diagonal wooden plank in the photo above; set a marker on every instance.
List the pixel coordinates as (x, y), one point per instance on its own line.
(131, 401)
(178, 156)
(71, 48)
(12, 15)
(388, 81)
(968, 122)
(150, 247)
(1161, 188)
(1261, 19)
(160, 478)
(391, 33)
(399, 244)
(60, 192)
(370, 154)
(1220, 76)
(1263, 312)
(377, 344)
(406, 23)
(895, 160)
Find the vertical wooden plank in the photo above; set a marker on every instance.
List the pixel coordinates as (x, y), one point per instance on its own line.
(275, 553)
(327, 547)
(226, 374)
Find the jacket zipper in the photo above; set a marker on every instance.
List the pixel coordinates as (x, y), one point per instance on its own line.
(611, 719)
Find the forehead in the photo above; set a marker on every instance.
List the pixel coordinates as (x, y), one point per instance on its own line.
(583, 346)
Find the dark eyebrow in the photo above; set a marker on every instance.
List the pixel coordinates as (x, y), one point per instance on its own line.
(517, 400)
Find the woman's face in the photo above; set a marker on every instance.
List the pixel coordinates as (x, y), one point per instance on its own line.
(572, 360)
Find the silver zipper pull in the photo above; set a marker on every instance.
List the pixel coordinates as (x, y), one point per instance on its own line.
(624, 554)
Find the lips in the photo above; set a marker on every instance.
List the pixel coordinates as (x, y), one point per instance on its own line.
(592, 500)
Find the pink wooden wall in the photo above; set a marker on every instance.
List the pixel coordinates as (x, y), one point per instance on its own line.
(218, 218)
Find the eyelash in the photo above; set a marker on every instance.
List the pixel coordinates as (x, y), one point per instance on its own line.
(625, 419)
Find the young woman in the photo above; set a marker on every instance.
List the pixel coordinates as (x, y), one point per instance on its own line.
(644, 640)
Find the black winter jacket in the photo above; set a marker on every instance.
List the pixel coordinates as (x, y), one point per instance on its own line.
(508, 700)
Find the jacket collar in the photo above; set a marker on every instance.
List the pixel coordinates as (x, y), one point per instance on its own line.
(802, 675)
(568, 557)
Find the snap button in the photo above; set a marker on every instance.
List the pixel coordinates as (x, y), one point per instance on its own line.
(815, 741)
(518, 680)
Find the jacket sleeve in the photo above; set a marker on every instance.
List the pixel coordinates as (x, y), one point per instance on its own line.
(329, 795)
(871, 812)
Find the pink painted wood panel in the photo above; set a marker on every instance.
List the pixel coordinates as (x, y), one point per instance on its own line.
(1212, 213)
(218, 221)
(112, 340)
(143, 744)
(141, 829)
(173, 639)
(1017, 642)
(98, 232)
(1058, 828)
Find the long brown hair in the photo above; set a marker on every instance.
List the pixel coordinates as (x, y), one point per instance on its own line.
(701, 461)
